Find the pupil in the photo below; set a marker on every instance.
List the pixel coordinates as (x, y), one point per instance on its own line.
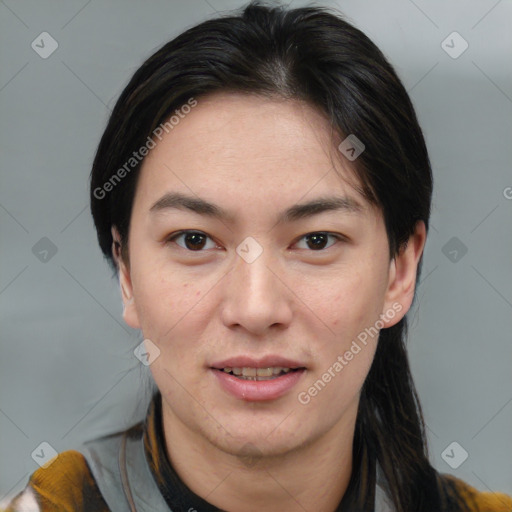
(317, 241)
(194, 241)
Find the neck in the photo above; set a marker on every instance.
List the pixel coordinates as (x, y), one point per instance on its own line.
(310, 477)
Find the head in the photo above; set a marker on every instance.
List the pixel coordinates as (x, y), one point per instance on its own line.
(233, 196)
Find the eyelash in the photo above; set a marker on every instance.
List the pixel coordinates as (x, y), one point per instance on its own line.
(174, 236)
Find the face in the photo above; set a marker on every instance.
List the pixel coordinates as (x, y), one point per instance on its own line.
(252, 252)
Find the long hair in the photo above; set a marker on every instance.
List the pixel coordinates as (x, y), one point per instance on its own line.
(311, 54)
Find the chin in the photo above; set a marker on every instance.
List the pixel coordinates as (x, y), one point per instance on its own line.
(252, 451)
(248, 440)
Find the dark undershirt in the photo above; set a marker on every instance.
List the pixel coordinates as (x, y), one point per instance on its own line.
(359, 496)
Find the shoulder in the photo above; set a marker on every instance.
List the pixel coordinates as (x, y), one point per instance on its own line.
(475, 500)
(65, 484)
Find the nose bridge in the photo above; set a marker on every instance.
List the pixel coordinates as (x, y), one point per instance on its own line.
(252, 262)
(256, 275)
(255, 297)
(254, 280)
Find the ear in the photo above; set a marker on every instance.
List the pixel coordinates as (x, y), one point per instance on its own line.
(130, 314)
(402, 277)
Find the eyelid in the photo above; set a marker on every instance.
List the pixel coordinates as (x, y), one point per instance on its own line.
(176, 234)
(339, 237)
(171, 238)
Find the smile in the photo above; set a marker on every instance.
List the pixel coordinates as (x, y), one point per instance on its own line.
(258, 374)
(257, 384)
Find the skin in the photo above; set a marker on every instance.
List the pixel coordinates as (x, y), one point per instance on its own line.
(255, 157)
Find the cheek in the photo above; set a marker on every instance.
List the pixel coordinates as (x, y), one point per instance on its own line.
(349, 302)
(351, 307)
(170, 305)
(345, 357)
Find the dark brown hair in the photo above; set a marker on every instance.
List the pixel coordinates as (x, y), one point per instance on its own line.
(314, 55)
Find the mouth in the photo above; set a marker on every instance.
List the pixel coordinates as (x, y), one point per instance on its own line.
(258, 374)
(257, 380)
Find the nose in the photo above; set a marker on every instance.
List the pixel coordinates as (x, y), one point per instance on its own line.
(256, 297)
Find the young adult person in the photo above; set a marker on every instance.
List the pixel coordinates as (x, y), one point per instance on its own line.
(263, 190)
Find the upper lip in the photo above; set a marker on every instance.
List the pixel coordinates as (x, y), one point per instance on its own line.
(269, 361)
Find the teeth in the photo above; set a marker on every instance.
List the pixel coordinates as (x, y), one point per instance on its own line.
(255, 373)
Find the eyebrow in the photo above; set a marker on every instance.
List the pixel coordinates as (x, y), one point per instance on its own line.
(177, 200)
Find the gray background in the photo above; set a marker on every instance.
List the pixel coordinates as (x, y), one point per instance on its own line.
(67, 367)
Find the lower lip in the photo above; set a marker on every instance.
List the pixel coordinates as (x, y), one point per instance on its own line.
(258, 391)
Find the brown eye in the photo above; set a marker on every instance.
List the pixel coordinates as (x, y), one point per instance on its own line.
(192, 240)
(318, 241)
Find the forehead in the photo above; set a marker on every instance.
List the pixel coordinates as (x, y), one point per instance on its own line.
(244, 146)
